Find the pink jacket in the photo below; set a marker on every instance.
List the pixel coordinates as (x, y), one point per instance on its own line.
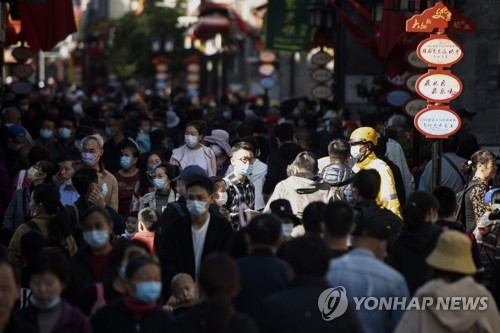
(178, 156)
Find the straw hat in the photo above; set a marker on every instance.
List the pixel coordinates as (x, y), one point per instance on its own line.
(452, 253)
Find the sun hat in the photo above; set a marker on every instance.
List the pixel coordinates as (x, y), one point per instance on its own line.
(452, 253)
(220, 138)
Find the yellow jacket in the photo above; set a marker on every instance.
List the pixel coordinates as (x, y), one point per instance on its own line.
(387, 196)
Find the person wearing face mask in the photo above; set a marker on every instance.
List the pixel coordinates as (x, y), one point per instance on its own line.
(142, 137)
(49, 218)
(116, 143)
(90, 264)
(218, 142)
(66, 129)
(47, 132)
(127, 177)
(86, 184)
(95, 296)
(220, 195)
(17, 211)
(190, 238)
(92, 152)
(240, 190)
(139, 309)
(47, 312)
(362, 141)
(417, 239)
(67, 168)
(164, 193)
(194, 152)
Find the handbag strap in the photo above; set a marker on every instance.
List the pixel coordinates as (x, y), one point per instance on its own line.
(455, 168)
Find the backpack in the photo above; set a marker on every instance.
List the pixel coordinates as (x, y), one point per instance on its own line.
(460, 214)
(49, 244)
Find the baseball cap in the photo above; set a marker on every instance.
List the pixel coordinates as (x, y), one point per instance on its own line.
(190, 171)
(375, 228)
(283, 209)
(489, 194)
(17, 134)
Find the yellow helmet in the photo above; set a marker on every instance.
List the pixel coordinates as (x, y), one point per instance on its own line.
(364, 134)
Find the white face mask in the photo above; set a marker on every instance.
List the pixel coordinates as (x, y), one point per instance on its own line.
(191, 140)
(355, 152)
(216, 149)
(221, 201)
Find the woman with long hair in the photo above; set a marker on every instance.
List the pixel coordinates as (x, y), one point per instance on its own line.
(50, 218)
(145, 183)
(481, 168)
(219, 282)
(193, 152)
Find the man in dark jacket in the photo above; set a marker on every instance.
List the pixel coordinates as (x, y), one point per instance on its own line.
(278, 160)
(296, 309)
(190, 238)
(261, 273)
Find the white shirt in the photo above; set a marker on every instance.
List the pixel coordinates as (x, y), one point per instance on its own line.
(195, 157)
(199, 236)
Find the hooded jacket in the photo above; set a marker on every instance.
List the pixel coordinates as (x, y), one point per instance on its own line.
(300, 190)
(433, 320)
(409, 251)
(337, 173)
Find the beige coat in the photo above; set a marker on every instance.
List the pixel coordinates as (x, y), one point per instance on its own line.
(111, 197)
(433, 320)
(42, 220)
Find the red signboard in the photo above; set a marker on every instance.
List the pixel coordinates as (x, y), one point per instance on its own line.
(431, 18)
(437, 122)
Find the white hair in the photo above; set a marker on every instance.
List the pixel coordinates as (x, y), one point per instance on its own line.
(95, 137)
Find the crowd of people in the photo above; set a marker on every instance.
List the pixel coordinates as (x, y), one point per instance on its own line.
(126, 212)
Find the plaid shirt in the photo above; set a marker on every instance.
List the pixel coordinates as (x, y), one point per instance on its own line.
(238, 193)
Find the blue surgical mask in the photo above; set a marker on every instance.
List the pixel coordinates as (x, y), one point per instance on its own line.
(96, 239)
(45, 133)
(44, 307)
(196, 208)
(287, 229)
(159, 183)
(64, 133)
(154, 166)
(243, 169)
(126, 162)
(148, 291)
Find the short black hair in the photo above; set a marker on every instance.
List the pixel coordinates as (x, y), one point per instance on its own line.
(312, 216)
(308, 255)
(447, 200)
(367, 182)
(284, 132)
(98, 209)
(306, 160)
(149, 216)
(137, 262)
(242, 145)
(157, 136)
(202, 181)
(51, 260)
(339, 149)
(37, 154)
(338, 218)
(264, 229)
(83, 178)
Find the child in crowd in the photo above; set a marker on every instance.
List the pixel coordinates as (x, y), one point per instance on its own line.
(131, 225)
(183, 294)
(147, 218)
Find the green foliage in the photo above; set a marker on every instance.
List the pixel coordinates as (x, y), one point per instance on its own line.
(130, 54)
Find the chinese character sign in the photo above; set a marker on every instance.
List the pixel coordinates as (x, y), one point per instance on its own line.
(287, 25)
(439, 86)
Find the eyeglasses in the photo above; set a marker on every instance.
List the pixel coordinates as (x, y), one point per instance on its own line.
(247, 160)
